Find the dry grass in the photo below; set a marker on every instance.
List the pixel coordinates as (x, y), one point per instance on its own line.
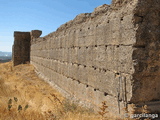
(22, 83)
(23, 96)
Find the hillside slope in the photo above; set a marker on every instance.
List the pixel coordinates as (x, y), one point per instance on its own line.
(21, 83)
(24, 96)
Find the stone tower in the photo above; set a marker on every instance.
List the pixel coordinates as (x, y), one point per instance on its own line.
(21, 47)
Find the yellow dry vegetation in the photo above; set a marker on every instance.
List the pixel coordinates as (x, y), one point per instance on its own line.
(23, 96)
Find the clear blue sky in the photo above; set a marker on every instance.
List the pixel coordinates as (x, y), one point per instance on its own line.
(45, 15)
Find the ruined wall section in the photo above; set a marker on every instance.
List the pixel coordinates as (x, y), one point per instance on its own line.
(147, 50)
(90, 57)
(21, 48)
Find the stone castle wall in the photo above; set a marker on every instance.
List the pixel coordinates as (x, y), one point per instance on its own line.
(109, 55)
(21, 47)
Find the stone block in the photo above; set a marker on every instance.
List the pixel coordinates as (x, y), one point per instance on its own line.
(92, 77)
(73, 71)
(100, 35)
(123, 59)
(89, 56)
(36, 33)
(110, 64)
(90, 40)
(94, 56)
(100, 58)
(81, 55)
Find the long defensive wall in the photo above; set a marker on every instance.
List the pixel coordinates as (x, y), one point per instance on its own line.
(112, 54)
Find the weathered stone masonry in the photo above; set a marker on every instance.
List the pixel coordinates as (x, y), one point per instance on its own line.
(21, 51)
(109, 55)
(21, 47)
